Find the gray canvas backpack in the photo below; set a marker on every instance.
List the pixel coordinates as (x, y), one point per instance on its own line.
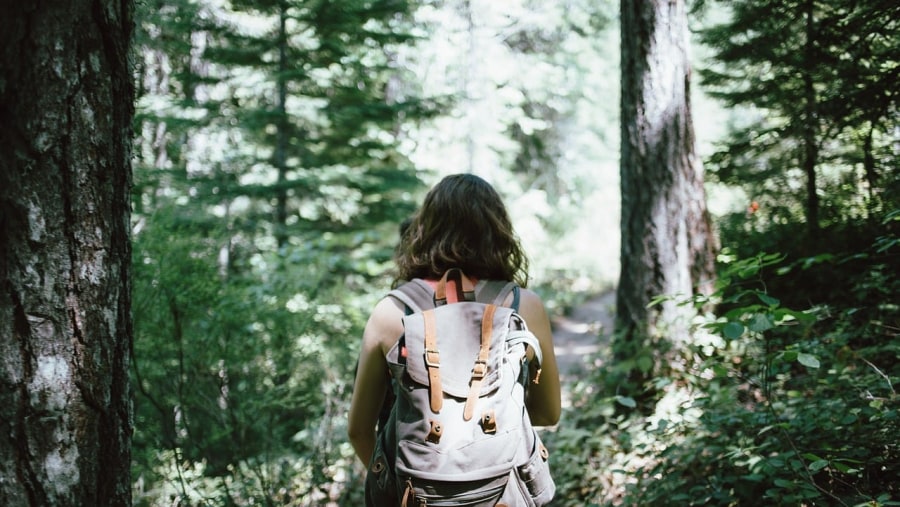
(458, 432)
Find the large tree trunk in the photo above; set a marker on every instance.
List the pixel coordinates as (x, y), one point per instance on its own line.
(281, 144)
(810, 125)
(66, 106)
(667, 241)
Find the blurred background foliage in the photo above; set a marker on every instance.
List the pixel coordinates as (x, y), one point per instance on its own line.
(280, 143)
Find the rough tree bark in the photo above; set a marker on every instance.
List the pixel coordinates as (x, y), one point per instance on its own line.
(66, 107)
(667, 242)
(810, 125)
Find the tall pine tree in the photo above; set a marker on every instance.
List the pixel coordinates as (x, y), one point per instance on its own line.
(270, 193)
(817, 73)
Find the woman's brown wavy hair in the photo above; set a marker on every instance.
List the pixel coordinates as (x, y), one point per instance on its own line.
(462, 224)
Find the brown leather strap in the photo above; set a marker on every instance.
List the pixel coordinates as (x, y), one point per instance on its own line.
(433, 362)
(408, 495)
(489, 422)
(479, 371)
(462, 282)
(435, 431)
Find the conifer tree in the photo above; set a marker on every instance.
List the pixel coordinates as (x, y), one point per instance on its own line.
(815, 71)
(319, 120)
(270, 185)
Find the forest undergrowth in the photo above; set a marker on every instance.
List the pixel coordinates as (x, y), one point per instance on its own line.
(786, 395)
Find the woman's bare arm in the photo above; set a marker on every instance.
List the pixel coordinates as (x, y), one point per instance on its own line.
(382, 330)
(543, 402)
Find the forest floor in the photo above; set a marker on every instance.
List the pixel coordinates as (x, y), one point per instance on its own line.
(581, 338)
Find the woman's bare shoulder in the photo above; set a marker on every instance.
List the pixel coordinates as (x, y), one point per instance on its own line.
(385, 324)
(530, 302)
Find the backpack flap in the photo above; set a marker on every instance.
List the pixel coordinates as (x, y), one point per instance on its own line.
(457, 347)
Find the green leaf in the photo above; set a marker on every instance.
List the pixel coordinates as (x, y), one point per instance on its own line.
(783, 270)
(849, 419)
(808, 360)
(720, 370)
(761, 322)
(789, 355)
(645, 363)
(817, 465)
(843, 468)
(626, 401)
(767, 299)
(658, 300)
(784, 483)
(733, 330)
(784, 316)
(765, 429)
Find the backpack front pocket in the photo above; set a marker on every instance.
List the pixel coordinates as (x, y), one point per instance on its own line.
(534, 476)
(480, 493)
(474, 459)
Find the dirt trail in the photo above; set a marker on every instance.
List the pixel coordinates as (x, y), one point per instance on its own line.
(579, 335)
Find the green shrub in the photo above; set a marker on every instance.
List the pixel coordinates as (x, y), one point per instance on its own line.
(776, 406)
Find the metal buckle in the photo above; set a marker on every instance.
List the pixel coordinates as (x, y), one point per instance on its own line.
(436, 363)
(479, 370)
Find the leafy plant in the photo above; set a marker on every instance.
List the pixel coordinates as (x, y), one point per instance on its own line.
(772, 404)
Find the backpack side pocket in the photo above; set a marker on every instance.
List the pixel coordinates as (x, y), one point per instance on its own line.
(381, 483)
(534, 475)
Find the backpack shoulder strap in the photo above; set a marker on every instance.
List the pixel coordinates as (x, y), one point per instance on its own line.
(528, 338)
(496, 291)
(416, 294)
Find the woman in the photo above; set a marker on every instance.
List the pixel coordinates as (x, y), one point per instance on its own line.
(462, 224)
